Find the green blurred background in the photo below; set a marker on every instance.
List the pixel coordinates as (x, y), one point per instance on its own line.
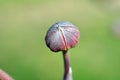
(23, 26)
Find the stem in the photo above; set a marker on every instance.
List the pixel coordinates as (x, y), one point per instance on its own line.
(67, 68)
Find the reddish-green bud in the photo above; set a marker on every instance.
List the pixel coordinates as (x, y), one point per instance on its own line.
(62, 36)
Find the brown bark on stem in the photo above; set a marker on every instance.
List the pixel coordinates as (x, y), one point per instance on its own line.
(67, 68)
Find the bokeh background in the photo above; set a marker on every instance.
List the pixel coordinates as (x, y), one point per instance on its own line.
(23, 26)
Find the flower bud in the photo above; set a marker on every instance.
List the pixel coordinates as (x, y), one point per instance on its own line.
(62, 36)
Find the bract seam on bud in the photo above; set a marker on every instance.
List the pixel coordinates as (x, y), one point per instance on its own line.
(63, 38)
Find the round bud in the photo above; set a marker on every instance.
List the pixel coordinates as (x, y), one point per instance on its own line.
(62, 36)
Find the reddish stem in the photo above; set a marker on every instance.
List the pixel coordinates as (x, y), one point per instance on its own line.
(67, 68)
